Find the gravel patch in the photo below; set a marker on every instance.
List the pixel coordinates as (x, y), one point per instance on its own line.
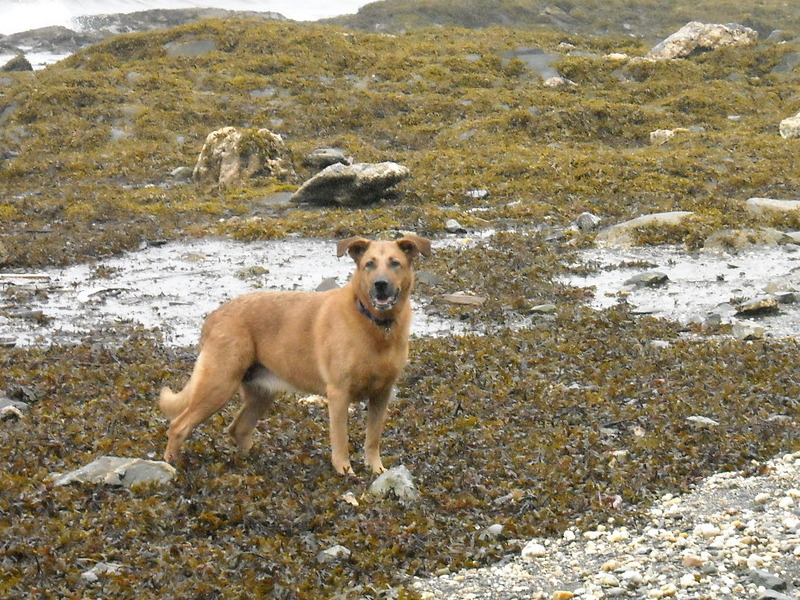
(734, 536)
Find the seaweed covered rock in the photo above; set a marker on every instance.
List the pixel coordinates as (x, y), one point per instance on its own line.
(231, 156)
(696, 37)
(358, 184)
(18, 63)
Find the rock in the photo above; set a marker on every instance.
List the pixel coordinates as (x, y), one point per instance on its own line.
(762, 205)
(337, 552)
(358, 184)
(533, 550)
(702, 422)
(648, 279)
(182, 173)
(767, 579)
(101, 568)
(662, 136)
(18, 63)
(587, 222)
(558, 83)
(733, 240)
(464, 299)
(325, 157)
(790, 127)
(758, 306)
(232, 156)
(543, 309)
(621, 233)
(191, 45)
(696, 37)
(746, 332)
(114, 470)
(453, 226)
(536, 60)
(397, 480)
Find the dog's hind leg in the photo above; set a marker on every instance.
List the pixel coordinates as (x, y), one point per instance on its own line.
(257, 401)
(213, 382)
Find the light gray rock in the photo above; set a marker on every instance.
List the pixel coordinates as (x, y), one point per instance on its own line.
(337, 552)
(325, 157)
(621, 233)
(747, 331)
(762, 205)
(733, 240)
(697, 37)
(232, 156)
(587, 222)
(115, 470)
(758, 306)
(648, 279)
(358, 184)
(790, 127)
(397, 480)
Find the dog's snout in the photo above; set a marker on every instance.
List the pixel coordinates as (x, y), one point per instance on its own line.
(382, 286)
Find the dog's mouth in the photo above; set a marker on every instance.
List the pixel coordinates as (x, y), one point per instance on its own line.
(384, 300)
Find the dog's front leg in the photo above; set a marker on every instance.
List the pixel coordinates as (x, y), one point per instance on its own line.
(338, 404)
(376, 417)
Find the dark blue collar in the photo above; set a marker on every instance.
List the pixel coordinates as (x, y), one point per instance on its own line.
(385, 323)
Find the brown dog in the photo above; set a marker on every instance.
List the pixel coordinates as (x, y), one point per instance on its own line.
(349, 344)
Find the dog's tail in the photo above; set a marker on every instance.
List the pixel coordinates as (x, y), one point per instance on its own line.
(172, 404)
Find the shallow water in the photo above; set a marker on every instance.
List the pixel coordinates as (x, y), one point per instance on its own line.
(172, 288)
(699, 285)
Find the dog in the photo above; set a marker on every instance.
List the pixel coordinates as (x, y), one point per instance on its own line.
(349, 344)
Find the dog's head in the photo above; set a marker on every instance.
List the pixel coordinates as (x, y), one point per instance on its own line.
(385, 270)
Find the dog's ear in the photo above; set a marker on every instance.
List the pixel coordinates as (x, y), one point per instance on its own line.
(414, 245)
(355, 246)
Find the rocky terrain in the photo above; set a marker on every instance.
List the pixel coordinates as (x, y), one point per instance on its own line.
(559, 432)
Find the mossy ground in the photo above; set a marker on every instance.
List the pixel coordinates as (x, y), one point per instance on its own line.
(521, 427)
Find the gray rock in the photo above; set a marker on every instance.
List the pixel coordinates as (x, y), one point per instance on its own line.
(101, 568)
(358, 184)
(325, 157)
(747, 331)
(453, 226)
(763, 205)
(695, 37)
(621, 233)
(790, 127)
(115, 470)
(733, 240)
(536, 60)
(337, 552)
(702, 422)
(232, 156)
(648, 279)
(191, 46)
(587, 222)
(767, 579)
(397, 480)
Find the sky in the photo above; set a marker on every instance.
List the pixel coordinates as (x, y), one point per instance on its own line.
(22, 15)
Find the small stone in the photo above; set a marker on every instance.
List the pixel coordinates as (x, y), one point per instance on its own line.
(333, 553)
(706, 530)
(562, 595)
(702, 422)
(533, 550)
(785, 503)
(692, 560)
(648, 279)
(632, 578)
(762, 498)
(608, 580)
(687, 580)
(453, 226)
(587, 222)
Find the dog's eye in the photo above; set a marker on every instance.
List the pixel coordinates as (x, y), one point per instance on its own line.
(395, 264)
(370, 264)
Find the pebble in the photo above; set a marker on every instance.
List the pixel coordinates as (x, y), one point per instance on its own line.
(733, 536)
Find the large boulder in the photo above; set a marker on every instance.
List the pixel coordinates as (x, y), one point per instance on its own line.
(358, 184)
(119, 471)
(697, 37)
(621, 234)
(232, 156)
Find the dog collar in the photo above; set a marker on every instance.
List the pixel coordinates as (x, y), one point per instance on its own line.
(385, 323)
